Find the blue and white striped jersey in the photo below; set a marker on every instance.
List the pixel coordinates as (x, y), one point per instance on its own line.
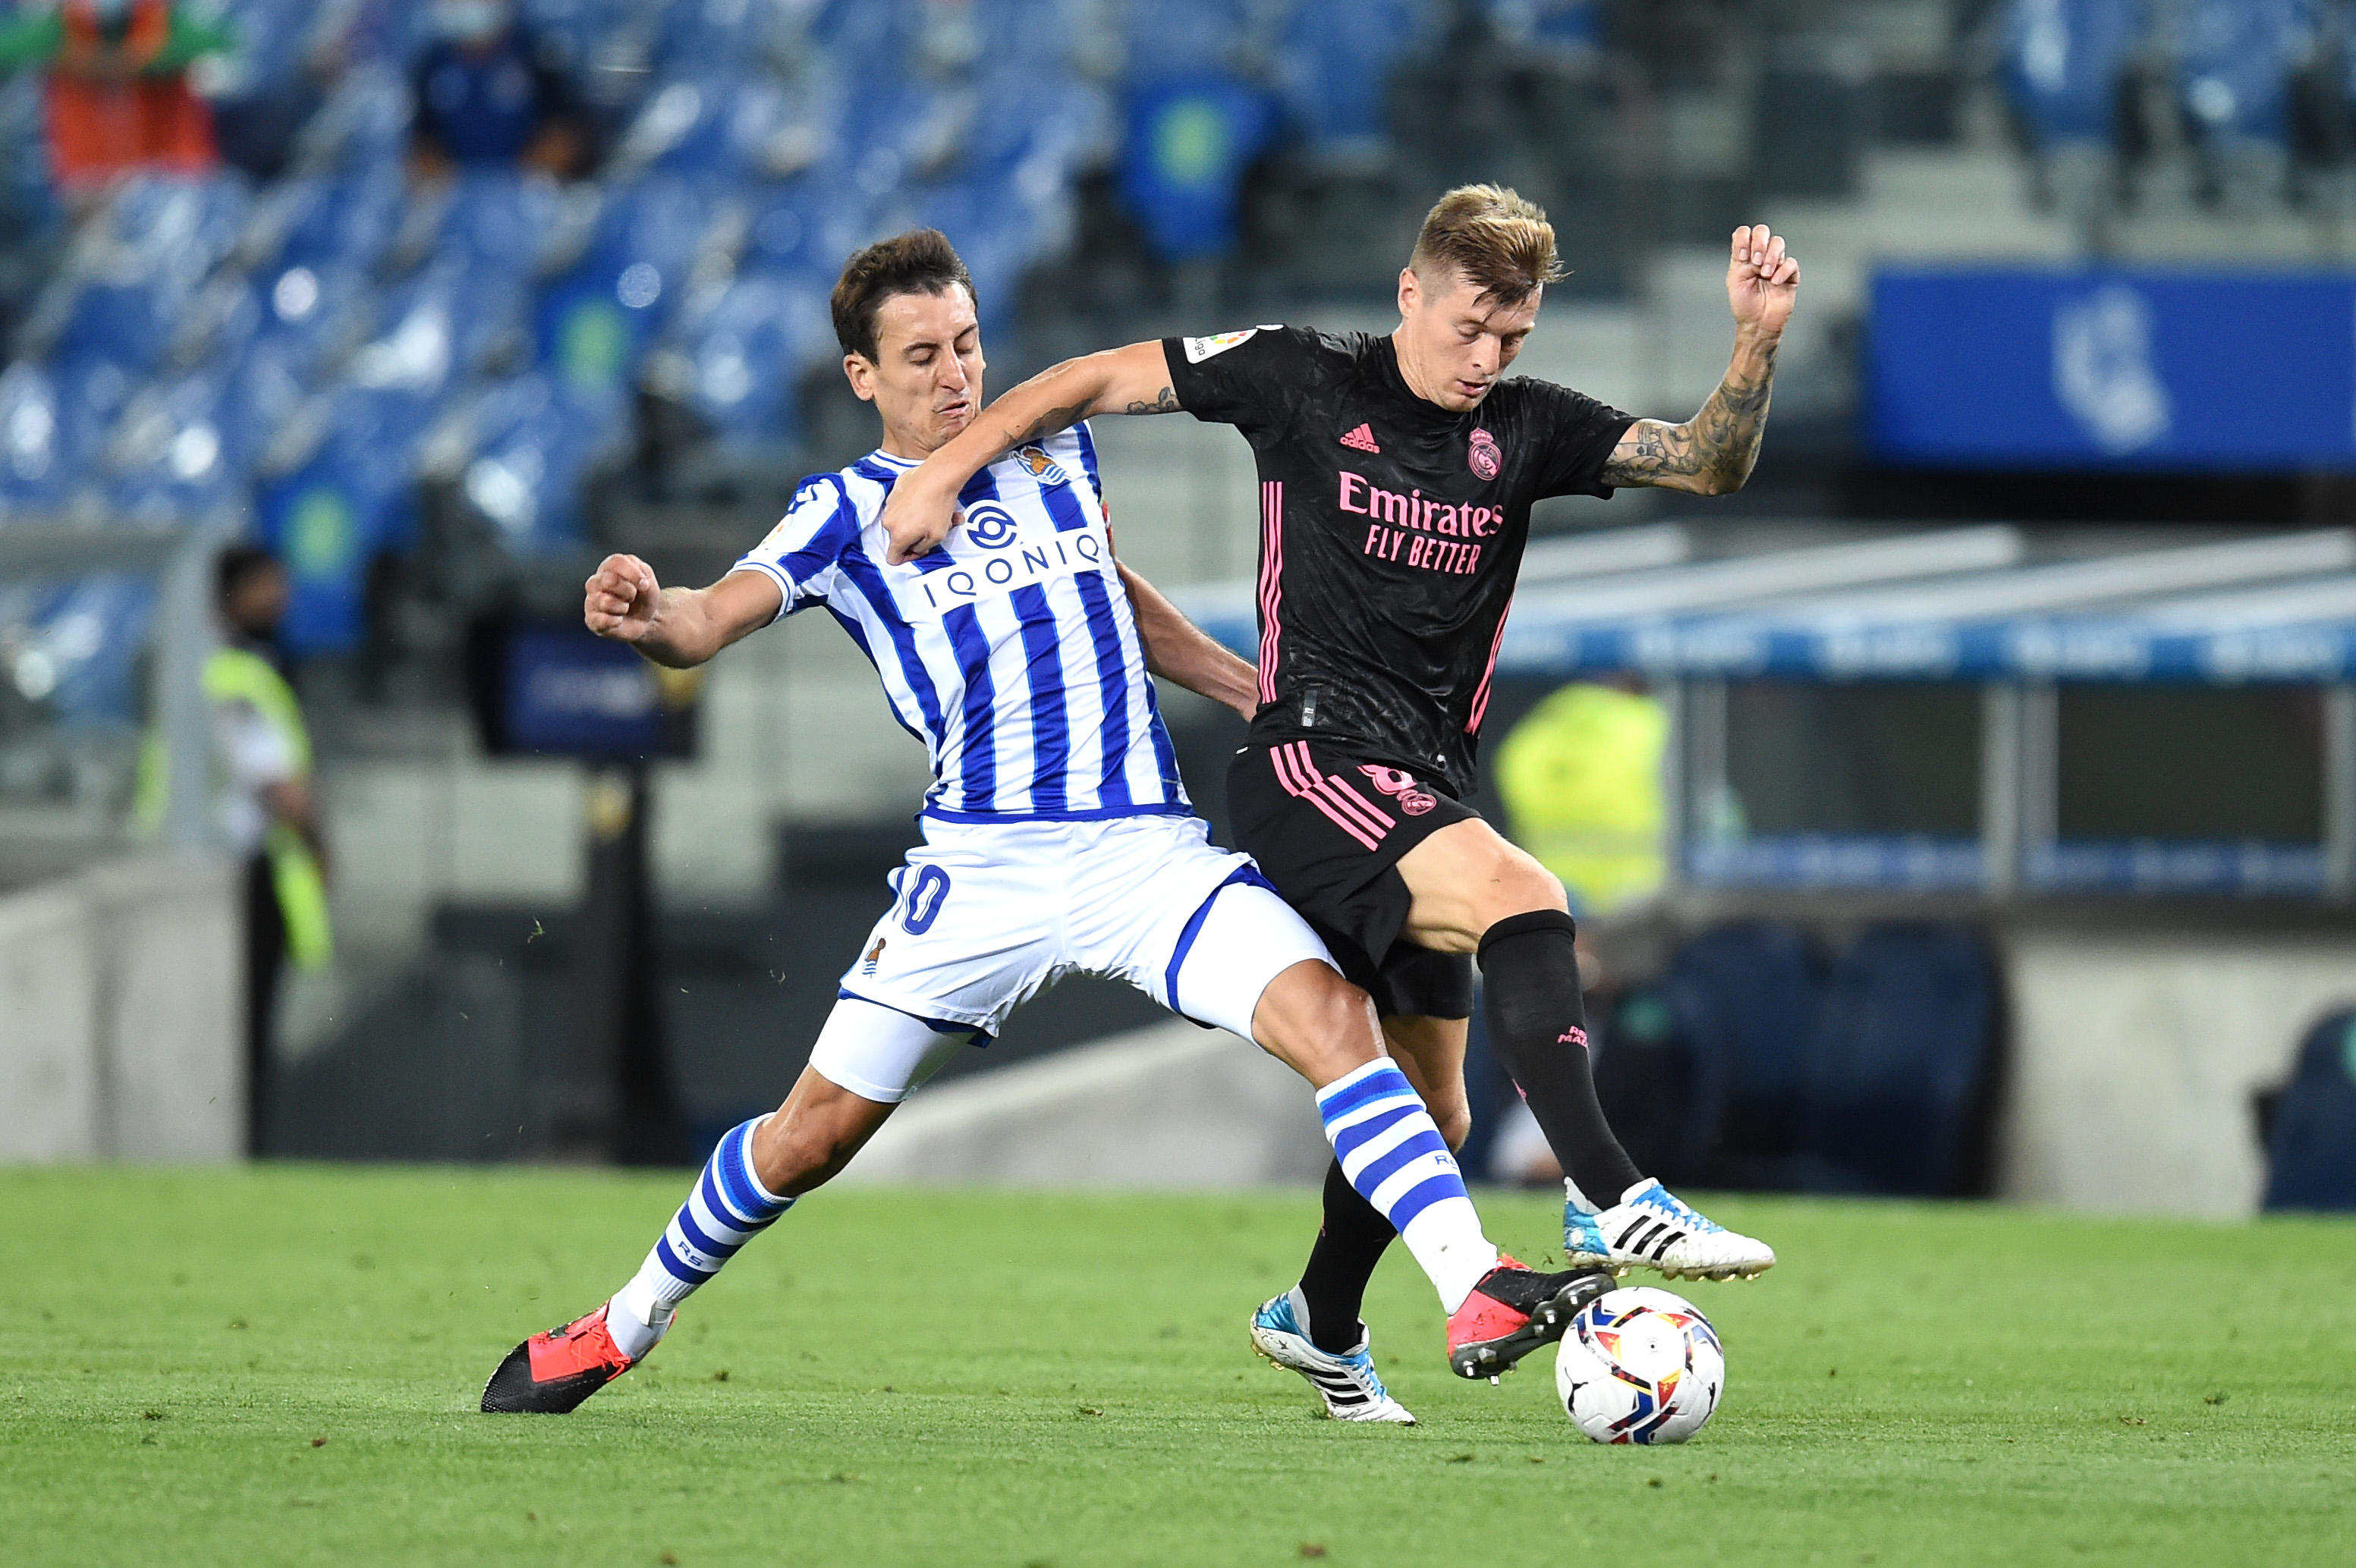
(1010, 651)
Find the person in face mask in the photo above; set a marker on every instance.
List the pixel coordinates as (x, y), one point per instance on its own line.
(118, 89)
(487, 96)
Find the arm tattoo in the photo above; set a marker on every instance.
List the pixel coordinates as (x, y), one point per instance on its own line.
(1054, 420)
(1717, 448)
(1048, 423)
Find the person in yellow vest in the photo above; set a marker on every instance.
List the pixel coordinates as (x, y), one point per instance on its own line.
(265, 810)
(1580, 776)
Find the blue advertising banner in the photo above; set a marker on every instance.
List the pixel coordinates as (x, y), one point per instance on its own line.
(2166, 369)
(557, 690)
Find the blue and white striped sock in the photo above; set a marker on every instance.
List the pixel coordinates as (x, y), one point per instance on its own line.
(727, 1208)
(1395, 1157)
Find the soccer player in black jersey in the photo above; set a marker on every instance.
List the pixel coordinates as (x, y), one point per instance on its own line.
(1396, 475)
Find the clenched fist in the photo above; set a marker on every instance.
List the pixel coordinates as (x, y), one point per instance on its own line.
(619, 599)
(1763, 283)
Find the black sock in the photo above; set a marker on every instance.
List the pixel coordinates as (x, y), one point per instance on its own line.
(1349, 1245)
(1537, 1026)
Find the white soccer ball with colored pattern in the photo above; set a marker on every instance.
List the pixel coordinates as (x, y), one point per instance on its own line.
(1639, 1365)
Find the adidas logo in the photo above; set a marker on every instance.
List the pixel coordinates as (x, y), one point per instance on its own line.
(1362, 439)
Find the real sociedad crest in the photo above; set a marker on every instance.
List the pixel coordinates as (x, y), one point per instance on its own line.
(1043, 467)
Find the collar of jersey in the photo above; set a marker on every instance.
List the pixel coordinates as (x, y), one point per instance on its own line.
(902, 463)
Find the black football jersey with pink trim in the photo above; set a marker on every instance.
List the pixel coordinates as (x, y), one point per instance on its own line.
(1391, 531)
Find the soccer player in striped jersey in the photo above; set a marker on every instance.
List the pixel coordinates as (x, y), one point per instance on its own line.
(1397, 476)
(1057, 837)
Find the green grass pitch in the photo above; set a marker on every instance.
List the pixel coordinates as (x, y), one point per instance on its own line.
(282, 1366)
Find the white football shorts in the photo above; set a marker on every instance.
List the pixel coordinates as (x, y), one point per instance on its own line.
(987, 915)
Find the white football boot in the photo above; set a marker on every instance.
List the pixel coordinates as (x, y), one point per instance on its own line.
(1650, 1229)
(1346, 1382)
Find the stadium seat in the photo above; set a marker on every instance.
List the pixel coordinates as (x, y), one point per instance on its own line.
(2062, 64)
(2234, 61)
(1334, 69)
(92, 631)
(593, 318)
(532, 440)
(1184, 38)
(1747, 1000)
(333, 511)
(1652, 1080)
(745, 354)
(169, 460)
(2311, 1147)
(1562, 27)
(1190, 140)
(1898, 1079)
(36, 456)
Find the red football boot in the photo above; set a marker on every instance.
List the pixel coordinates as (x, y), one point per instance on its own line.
(1512, 1311)
(551, 1373)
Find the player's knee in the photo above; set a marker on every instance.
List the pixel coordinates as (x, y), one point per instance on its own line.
(1524, 887)
(798, 1155)
(1317, 1021)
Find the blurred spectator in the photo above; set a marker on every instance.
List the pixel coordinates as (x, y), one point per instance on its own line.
(118, 90)
(487, 96)
(267, 808)
(1581, 779)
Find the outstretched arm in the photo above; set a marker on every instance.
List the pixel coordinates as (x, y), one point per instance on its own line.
(1131, 381)
(1179, 650)
(1713, 452)
(680, 627)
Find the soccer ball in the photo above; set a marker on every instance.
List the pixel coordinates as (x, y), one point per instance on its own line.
(1639, 1365)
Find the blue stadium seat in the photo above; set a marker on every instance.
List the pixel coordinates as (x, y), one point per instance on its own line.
(1898, 1079)
(2311, 1149)
(325, 221)
(1747, 1000)
(2233, 66)
(1190, 140)
(717, 127)
(330, 515)
(92, 631)
(1186, 38)
(36, 453)
(2061, 65)
(593, 318)
(536, 439)
(169, 459)
(1556, 27)
(747, 353)
(130, 285)
(1335, 67)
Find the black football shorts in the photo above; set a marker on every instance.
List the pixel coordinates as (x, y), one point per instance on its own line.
(1328, 828)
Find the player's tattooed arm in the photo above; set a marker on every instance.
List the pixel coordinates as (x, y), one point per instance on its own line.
(1713, 452)
(923, 506)
(1177, 649)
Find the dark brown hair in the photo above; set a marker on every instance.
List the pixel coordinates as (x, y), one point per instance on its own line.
(1495, 239)
(921, 261)
(237, 565)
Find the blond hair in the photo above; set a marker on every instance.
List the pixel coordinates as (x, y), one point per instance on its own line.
(1495, 239)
